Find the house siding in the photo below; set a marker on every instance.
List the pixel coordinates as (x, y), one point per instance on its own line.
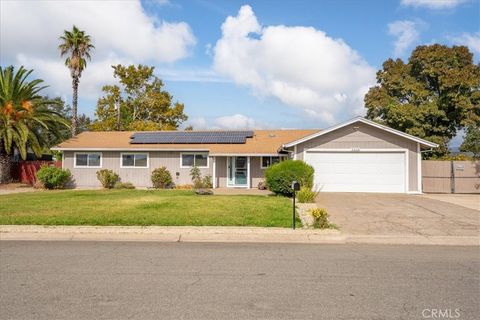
(140, 177)
(363, 136)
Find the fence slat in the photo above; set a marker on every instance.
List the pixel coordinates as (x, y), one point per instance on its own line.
(26, 171)
(450, 176)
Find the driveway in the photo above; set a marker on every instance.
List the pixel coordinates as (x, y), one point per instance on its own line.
(398, 214)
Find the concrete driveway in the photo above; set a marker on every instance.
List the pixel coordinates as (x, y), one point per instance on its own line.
(398, 214)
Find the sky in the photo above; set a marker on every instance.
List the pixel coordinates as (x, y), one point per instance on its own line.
(237, 64)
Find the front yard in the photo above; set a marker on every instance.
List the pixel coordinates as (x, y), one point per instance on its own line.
(143, 207)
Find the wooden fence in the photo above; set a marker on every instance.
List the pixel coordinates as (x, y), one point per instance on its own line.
(26, 171)
(450, 176)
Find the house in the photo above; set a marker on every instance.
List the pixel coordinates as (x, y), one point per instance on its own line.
(358, 155)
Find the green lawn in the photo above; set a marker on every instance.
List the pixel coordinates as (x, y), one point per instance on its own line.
(143, 207)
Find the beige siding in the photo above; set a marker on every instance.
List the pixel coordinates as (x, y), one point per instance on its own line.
(257, 174)
(363, 136)
(140, 177)
(221, 171)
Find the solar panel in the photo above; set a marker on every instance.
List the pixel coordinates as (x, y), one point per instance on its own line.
(191, 137)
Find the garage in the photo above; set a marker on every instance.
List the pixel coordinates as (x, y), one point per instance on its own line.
(337, 171)
(361, 155)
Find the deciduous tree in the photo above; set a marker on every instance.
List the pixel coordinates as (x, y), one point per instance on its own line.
(471, 141)
(432, 96)
(139, 103)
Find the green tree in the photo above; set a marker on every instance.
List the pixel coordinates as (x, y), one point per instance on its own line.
(24, 117)
(432, 96)
(139, 103)
(471, 141)
(76, 45)
(59, 106)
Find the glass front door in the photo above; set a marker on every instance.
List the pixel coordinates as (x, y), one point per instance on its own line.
(237, 171)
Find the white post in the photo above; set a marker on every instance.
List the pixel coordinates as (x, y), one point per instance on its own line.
(248, 172)
(214, 175)
(419, 168)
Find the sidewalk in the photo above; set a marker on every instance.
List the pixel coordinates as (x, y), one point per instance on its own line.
(218, 234)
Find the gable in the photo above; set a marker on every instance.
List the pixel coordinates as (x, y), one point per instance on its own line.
(356, 122)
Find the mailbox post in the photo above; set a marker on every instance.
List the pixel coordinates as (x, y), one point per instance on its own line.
(295, 188)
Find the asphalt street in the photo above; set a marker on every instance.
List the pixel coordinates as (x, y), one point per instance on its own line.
(147, 280)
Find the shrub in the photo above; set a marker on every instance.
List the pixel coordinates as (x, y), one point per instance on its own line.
(161, 178)
(207, 182)
(320, 217)
(107, 178)
(123, 185)
(306, 195)
(198, 181)
(195, 173)
(53, 177)
(280, 176)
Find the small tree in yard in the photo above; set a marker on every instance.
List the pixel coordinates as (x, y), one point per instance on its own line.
(198, 181)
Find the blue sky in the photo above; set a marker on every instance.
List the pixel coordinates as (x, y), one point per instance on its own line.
(273, 64)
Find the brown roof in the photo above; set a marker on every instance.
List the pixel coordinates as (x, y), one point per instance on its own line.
(263, 142)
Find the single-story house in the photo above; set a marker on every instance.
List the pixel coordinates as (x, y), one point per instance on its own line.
(358, 155)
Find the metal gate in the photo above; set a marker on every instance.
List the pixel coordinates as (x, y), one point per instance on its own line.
(450, 176)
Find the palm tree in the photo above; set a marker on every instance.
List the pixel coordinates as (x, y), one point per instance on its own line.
(77, 45)
(25, 119)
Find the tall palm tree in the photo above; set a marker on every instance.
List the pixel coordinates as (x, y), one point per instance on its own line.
(76, 45)
(25, 119)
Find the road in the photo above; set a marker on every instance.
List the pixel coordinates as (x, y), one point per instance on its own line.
(146, 280)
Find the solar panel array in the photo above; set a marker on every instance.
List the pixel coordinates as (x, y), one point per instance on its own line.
(191, 137)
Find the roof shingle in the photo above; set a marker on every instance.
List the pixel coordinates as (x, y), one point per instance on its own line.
(262, 142)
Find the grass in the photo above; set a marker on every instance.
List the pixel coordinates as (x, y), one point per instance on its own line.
(143, 208)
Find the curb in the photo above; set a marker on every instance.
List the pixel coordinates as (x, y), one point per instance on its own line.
(218, 234)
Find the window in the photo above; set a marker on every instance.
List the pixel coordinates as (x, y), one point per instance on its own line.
(88, 160)
(194, 159)
(134, 160)
(268, 161)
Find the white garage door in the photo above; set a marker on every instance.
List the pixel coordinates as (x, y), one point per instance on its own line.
(358, 171)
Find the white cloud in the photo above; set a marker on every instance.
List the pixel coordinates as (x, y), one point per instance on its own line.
(230, 122)
(236, 121)
(433, 4)
(301, 66)
(57, 76)
(122, 32)
(197, 123)
(190, 75)
(120, 27)
(407, 34)
(471, 40)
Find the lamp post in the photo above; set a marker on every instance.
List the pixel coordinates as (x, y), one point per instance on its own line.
(295, 187)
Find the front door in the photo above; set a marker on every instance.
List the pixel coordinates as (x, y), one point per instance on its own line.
(237, 171)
